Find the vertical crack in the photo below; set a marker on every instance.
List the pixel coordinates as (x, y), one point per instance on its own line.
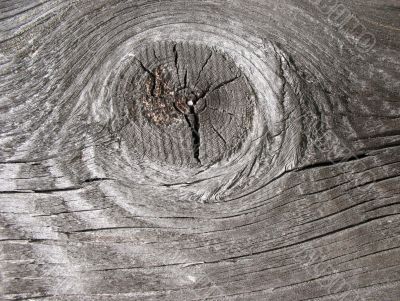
(202, 68)
(196, 134)
(155, 54)
(176, 63)
(193, 121)
(152, 75)
(218, 134)
(185, 79)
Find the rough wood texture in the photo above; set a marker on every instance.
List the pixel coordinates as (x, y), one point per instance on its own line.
(200, 150)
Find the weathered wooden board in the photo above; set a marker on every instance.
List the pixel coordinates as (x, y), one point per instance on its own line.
(200, 150)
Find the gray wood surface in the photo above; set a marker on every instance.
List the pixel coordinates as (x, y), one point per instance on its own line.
(200, 150)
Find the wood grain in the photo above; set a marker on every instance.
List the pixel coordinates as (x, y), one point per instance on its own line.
(199, 150)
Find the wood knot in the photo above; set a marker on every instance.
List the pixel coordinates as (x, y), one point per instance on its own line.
(192, 96)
